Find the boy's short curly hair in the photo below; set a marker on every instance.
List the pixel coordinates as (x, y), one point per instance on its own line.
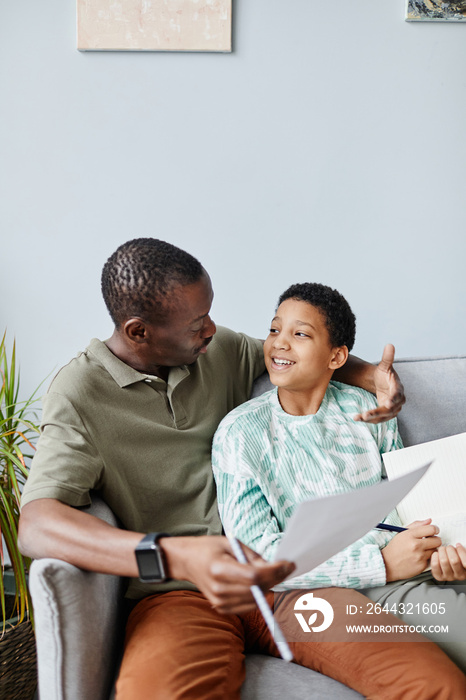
(339, 319)
(140, 275)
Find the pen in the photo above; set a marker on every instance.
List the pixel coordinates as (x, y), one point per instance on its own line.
(390, 528)
(259, 597)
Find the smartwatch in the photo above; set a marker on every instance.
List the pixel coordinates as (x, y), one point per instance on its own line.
(150, 559)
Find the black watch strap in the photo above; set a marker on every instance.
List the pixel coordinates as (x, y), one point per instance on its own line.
(150, 558)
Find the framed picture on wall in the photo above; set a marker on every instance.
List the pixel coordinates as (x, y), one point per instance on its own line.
(154, 25)
(436, 10)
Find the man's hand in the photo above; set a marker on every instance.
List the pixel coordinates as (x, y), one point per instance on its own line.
(408, 553)
(389, 390)
(449, 563)
(209, 563)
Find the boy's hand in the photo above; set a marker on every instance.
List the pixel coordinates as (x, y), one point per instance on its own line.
(409, 552)
(209, 563)
(389, 390)
(449, 563)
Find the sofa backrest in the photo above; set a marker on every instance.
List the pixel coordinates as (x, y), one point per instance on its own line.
(435, 389)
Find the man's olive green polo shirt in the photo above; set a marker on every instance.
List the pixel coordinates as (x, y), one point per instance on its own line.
(142, 442)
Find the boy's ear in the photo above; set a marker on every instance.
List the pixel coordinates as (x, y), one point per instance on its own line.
(338, 358)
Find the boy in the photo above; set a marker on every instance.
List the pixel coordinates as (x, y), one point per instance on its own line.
(300, 441)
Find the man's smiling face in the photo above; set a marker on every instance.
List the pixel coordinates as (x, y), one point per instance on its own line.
(186, 329)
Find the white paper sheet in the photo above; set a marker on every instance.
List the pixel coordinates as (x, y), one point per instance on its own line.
(321, 527)
(442, 494)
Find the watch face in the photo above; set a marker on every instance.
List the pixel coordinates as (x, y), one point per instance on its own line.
(150, 558)
(149, 567)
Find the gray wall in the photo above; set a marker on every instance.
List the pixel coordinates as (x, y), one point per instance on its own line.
(329, 146)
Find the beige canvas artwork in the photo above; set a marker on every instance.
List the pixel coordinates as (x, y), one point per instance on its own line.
(154, 25)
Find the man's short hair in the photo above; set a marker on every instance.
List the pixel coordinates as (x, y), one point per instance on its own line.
(140, 275)
(339, 319)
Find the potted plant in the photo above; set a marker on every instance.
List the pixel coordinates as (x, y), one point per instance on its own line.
(18, 429)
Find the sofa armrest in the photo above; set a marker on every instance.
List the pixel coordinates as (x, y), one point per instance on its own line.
(79, 620)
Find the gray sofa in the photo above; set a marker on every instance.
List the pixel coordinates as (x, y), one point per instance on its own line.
(80, 615)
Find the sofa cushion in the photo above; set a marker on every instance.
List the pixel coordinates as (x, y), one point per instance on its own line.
(273, 679)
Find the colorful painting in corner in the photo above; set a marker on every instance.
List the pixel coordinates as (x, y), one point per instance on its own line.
(154, 25)
(436, 10)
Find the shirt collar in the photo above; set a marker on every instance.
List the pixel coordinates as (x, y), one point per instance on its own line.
(123, 374)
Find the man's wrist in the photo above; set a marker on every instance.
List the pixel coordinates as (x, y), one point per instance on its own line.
(357, 372)
(176, 550)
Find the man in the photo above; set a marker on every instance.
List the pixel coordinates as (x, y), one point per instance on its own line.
(134, 418)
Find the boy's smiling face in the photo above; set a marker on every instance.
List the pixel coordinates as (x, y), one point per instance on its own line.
(298, 353)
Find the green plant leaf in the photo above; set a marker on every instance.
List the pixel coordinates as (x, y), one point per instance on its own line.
(18, 430)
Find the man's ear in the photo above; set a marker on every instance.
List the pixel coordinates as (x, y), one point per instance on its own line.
(338, 357)
(135, 330)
